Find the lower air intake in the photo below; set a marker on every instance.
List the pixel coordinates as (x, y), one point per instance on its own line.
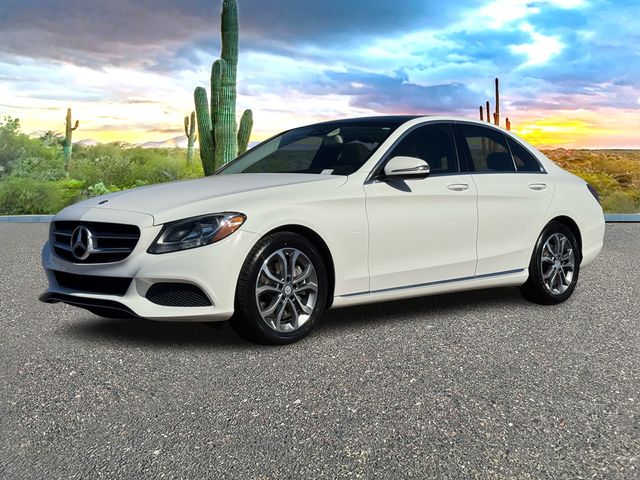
(177, 295)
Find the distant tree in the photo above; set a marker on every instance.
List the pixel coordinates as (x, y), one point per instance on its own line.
(10, 126)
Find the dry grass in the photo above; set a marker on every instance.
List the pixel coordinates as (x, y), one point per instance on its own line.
(614, 173)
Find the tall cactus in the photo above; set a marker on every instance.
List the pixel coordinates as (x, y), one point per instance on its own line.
(220, 139)
(68, 133)
(496, 114)
(190, 132)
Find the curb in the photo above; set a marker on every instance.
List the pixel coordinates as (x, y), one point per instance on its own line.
(622, 217)
(25, 218)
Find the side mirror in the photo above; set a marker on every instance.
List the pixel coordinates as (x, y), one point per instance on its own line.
(406, 167)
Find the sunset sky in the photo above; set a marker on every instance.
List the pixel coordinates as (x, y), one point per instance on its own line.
(570, 69)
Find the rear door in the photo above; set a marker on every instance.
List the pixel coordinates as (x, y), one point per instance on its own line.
(514, 193)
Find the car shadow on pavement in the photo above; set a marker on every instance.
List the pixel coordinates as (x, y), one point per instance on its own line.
(169, 334)
(146, 332)
(426, 307)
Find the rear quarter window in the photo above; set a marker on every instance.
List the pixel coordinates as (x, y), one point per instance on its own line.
(524, 160)
(488, 149)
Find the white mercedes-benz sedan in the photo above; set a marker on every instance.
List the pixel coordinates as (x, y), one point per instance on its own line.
(329, 215)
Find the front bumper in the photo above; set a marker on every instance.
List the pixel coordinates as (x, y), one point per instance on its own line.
(213, 268)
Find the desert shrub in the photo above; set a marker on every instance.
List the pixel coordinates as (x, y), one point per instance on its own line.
(48, 165)
(621, 202)
(117, 166)
(71, 191)
(100, 189)
(29, 196)
(600, 181)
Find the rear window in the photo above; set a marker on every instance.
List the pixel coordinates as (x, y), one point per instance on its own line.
(524, 160)
(488, 149)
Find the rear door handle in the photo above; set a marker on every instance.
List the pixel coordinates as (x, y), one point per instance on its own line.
(537, 186)
(458, 187)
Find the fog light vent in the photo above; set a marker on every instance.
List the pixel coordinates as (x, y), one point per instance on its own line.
(177, 295)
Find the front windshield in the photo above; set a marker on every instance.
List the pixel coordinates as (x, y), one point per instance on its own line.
(331, 149)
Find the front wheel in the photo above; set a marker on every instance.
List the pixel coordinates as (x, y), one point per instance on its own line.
(554, 266)
(282, 290)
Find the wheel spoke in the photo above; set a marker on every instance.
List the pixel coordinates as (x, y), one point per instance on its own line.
(561, 250)
(280, 314)
(266, 288)
(294, 314)
(285, 264)
(292, 264)
(267, 312)
(307, 286)
(547, 259)
(304, 275)
(548, 274)
(552, 280)
(305, 308)
(563, 278)
(269, 274)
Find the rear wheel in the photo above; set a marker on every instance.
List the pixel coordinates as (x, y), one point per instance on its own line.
(554, 266)
(282, 290)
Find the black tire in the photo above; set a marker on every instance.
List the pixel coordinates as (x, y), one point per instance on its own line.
(535, 289)
(247, 320)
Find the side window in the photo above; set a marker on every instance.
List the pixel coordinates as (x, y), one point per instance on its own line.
(432, 143)
(488, 149)
(525, 161)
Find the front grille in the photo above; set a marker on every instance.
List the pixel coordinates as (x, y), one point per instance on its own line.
(111, 242)
(92, 283)
(177, 295)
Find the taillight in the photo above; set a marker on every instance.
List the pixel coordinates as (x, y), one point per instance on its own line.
(594, 192)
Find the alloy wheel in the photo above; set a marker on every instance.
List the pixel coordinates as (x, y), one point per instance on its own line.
(286, 290)
(557, 264)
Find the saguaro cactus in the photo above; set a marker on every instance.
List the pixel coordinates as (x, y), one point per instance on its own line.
(495, 115)
(68, 133)
(190, 132)
(220, 140)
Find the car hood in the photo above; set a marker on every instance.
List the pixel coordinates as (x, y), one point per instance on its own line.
(217, 193)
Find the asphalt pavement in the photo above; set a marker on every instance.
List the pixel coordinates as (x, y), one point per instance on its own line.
(472, 385)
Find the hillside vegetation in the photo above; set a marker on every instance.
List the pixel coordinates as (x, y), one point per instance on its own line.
(614, 173)
(34, 180)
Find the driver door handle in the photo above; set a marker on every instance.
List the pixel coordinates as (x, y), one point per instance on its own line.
(458, 187)
(537, 186)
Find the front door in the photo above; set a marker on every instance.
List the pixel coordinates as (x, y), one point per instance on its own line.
(422, 231)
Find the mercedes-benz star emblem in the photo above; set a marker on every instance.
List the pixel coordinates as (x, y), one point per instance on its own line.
(82, 243)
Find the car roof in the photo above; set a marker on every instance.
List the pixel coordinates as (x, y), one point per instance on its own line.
(379, 119)
(397, 120)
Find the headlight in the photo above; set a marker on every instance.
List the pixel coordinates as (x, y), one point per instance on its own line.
(196, 232)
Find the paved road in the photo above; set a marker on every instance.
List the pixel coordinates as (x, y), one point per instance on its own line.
(482, 384)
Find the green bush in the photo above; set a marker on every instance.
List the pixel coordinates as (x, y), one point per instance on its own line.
(115, 165)
(621, 202)
(20, 196)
